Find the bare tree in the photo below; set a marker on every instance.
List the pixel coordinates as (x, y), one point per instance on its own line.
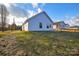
(4, 13)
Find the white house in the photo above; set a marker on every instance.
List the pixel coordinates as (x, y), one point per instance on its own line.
(38, 22)
(60, 25)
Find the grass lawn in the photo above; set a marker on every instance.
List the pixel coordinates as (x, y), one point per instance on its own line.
(46, 43)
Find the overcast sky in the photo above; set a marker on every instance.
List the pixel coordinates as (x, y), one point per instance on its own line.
(68, 12)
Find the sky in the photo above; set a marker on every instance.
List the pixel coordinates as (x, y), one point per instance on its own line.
(67, 12)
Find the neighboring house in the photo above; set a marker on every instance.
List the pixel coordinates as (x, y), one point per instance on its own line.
(38, 22)
(60, 25)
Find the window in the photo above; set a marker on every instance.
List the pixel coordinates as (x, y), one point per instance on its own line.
(40, 25)
(47, 26)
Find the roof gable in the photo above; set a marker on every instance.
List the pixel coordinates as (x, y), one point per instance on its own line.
(59, 22)
(36, 16)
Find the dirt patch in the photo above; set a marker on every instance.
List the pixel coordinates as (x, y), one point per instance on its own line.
(9, 46)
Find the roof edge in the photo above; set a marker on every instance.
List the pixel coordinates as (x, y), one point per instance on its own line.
(37, 15)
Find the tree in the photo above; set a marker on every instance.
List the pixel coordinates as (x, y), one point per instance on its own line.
(13, 26)
(4, 13)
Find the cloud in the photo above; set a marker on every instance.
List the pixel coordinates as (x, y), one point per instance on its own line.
(35, 5)
(17, 11)
(7, 4)
(36, 9)
(73, 21)
(39, 10)
(10, 18)
(31, 13)
(18, 20)
(21, 10)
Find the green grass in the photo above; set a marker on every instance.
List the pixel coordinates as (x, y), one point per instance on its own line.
(48, 43)
(2, 34)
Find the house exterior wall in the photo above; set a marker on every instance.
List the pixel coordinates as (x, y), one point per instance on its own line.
(25, 27)
(33, 24)
(56, 27)
(60, 26)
